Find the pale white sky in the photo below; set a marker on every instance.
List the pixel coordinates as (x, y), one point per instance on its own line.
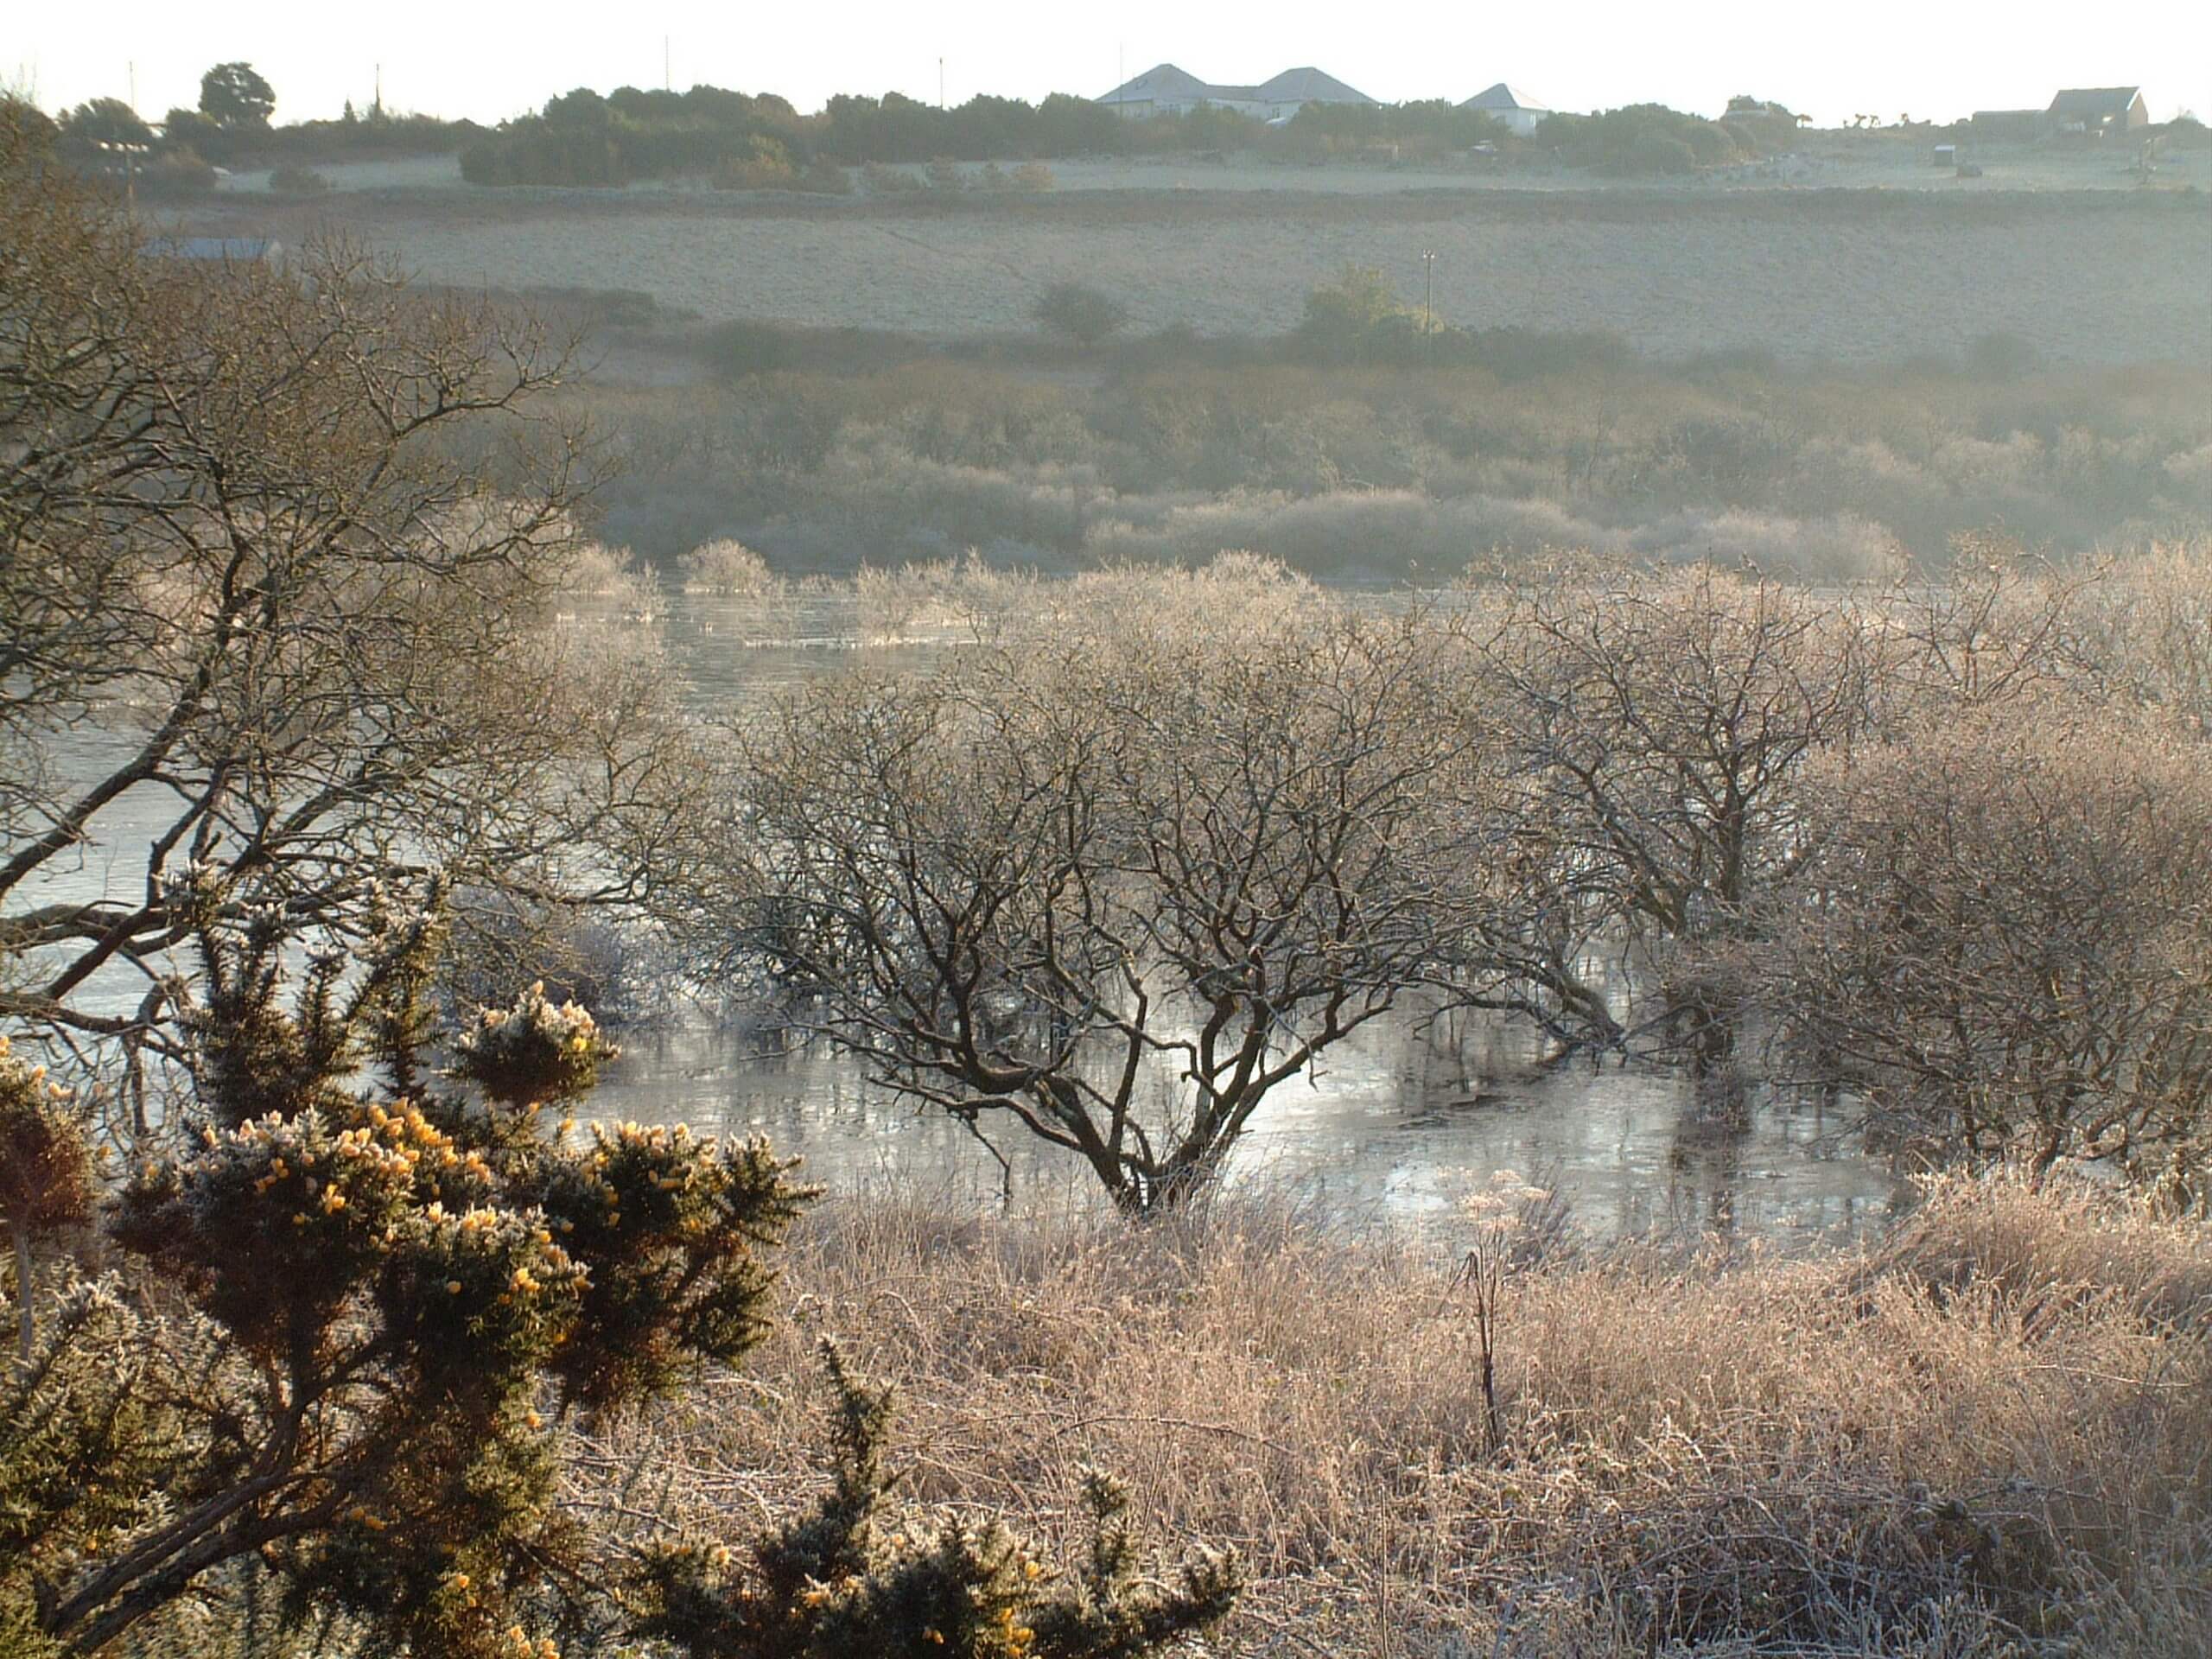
(1928, 58)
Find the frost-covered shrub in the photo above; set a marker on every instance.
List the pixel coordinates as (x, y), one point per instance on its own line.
(533, 1052)
(726, 567)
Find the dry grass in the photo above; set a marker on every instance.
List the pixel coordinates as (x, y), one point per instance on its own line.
(1918, 1450)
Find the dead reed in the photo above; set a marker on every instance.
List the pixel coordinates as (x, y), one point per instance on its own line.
(1986, 1434)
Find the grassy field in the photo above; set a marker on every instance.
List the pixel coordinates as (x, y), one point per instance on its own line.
(1984, 1437)
(1852, 276)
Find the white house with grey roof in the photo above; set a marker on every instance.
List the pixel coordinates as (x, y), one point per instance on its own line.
(1511, 107)
(1166, 89)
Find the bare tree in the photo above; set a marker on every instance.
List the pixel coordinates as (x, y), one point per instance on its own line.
(1113, 880)
(1658, 722)
(266, 614)
(2002, 934)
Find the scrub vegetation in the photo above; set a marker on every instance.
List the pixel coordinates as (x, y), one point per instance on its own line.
(1370, 443)
(1779, 727)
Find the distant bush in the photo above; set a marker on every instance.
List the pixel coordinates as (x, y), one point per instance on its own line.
(1532, 353)
(173, 173)
(1359, 318)
(1656, 152)
(1648, 140)
(1076, 312)
(764, 165)
(541, 157)
(1430, 128)
(1843, 548)
(726, 567)
(882, 180)
(823, 177)
(1033, 176)
(190, 129)
(290, 180)
(943, 175)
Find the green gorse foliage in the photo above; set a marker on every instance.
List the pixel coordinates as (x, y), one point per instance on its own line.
(353, 1309)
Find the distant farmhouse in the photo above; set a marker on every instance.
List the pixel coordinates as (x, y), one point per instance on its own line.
(1509, 107)
(1166, 89)
(2099, 110)
(2095, 111)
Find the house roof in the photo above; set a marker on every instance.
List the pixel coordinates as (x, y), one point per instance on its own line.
(1310, 85)
(1161, 80)
(1165, 82)
(2094, 103)
(1502, 96)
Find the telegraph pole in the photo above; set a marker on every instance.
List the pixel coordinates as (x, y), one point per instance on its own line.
(1428, 289)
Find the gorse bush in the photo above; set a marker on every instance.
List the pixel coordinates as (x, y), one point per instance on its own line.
(47, 1175)
(967, 1590)
(386, 1285)
(355, 1313)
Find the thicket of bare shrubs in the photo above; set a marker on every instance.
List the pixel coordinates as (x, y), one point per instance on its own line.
(725, 567)
(1346, 471)
(1934, 843)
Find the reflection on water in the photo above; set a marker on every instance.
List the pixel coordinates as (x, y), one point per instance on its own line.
(1397, 1124)
(1399, 1121)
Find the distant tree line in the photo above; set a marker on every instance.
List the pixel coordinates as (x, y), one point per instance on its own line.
(583, 138)
(756, 141)
(106, 137)
(1646, 140)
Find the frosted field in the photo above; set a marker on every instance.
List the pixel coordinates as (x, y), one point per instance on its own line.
(2111, 281)
(397, 173)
